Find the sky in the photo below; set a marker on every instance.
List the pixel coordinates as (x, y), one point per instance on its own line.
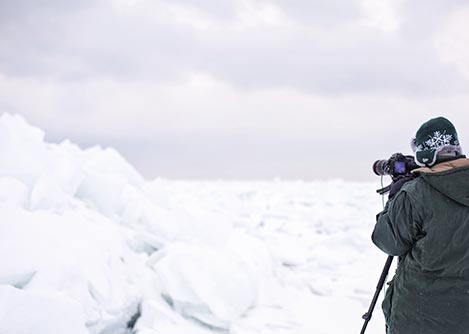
(238, 89)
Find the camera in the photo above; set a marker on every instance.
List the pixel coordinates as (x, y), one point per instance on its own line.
(397, 165)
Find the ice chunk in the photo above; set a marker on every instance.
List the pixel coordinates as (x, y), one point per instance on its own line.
(205, 283)
(109, 162)
(111, 185)
(157, 318)
(58, 183)
(176, 225)
(17, 279)
(103, 192)
(13, 192)
(81, 254)
(39, 313)
(23, 152)
(256, 257)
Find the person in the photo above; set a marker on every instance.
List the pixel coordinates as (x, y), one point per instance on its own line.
(426, 224)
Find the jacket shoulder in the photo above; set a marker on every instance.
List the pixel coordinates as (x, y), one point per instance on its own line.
(416, 187)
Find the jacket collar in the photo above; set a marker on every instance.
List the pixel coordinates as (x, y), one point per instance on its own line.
(443, 166)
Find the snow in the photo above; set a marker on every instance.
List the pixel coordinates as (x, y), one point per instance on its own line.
(23, 312)
(88, 246)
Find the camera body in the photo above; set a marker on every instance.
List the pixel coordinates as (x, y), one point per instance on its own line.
(397, 165)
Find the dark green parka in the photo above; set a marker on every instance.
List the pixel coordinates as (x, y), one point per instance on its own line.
(427, 225)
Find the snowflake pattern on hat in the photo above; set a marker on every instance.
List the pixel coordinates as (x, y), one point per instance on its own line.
(436, 141)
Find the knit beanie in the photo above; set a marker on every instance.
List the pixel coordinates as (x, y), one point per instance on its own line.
(437, 137)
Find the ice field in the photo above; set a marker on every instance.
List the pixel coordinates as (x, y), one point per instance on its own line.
(87, 245)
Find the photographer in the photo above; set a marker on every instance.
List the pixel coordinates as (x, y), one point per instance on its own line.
(426, 224)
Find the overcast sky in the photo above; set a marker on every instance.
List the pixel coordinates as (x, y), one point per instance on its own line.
(238, 89)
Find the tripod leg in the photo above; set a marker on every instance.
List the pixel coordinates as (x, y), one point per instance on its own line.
(379, 286)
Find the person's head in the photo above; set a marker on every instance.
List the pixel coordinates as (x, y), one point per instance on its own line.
(434, 141)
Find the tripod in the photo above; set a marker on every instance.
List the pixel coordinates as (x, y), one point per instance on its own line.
(384, 274)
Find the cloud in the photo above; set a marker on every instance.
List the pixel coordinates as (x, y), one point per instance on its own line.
(95, 41)
(317, 12)
(421, 19)
(451, 40)
(11, 11)
(329, 63)
(316, 46)
(223, 9)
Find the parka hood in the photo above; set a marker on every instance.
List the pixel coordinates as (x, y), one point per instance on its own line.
(450, 178)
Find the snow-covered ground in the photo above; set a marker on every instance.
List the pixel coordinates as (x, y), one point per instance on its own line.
(88, 246)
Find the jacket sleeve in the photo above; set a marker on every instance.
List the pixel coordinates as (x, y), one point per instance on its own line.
(396, 229)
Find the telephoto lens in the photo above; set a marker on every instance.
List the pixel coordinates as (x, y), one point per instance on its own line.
(381, 167)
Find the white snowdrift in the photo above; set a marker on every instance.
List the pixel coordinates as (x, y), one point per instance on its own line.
(79, 224)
